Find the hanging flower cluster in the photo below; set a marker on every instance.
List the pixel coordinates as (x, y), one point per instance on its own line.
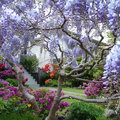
(112, 70)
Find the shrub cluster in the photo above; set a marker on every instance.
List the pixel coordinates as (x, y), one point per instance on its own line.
(85, 111)
(30, 63)
(16, 99)
(93, 89)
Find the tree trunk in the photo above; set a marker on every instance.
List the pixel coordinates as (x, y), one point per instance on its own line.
(56, 101)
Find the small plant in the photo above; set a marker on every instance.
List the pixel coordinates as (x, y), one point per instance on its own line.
(30, 63)
(84, 111)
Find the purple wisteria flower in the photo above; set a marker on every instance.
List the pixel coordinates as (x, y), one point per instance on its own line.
(112, 69)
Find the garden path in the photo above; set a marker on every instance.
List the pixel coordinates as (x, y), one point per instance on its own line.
(33, 84)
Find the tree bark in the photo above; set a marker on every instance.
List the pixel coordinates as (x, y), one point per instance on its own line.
(56, 101)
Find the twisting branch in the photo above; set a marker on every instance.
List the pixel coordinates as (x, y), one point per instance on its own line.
(52, 52)
(70, 34)
(100, 39)
(86, 80)
(81, 67)
(62, 54)
(102, 100)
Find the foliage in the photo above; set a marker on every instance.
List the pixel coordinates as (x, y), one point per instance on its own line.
(51, 83)
(12, 82)
(15, 101)
(93, 74)
(30, 63)
(45, 76)
(12, 106)
(18, 116)
(96, 73)
(84, 111)
(0, 58)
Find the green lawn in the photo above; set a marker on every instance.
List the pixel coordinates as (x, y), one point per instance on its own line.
(76, 90)
(69, 89)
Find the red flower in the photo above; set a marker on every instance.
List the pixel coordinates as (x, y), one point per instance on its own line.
(46, 68)
(26, 79)
(21, 68)
(3, 65)
(23, 82)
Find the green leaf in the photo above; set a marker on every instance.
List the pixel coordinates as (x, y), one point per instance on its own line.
(1, 58)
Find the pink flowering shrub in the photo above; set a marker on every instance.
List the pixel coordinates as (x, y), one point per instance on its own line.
(8, 73)
(43, 97)
(93, 89)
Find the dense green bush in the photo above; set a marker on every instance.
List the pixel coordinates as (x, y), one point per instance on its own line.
(12, 82)
(30, 63)
(85, 111)
(23, 116)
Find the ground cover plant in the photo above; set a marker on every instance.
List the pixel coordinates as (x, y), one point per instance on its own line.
(80, 25)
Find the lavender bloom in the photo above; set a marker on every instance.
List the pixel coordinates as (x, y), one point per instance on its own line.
(112, 69)
(106, 83)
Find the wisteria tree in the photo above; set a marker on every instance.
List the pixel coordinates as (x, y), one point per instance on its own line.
(79, 25)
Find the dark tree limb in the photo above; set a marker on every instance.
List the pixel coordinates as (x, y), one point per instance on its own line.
(102, 100)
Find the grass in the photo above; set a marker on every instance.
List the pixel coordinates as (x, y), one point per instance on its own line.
(75, 90)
